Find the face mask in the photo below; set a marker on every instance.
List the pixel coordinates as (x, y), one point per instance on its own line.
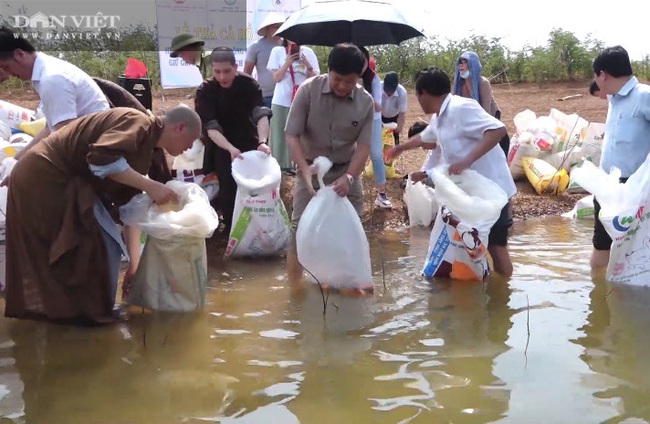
(464, 74)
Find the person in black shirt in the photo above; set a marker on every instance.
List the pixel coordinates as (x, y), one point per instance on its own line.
(234, 120)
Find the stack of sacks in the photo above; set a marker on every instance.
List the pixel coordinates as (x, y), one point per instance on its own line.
(563, 141)
(17, 128)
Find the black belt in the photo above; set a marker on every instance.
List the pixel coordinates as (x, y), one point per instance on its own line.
(188, 173)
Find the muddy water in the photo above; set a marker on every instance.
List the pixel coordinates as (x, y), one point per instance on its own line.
(550, 346)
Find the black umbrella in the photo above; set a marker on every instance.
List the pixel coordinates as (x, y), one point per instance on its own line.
(363, 22)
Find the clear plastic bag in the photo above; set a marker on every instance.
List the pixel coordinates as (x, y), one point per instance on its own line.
(331, 242)
(420, 203)
(625, 214)
(474, 199)
(192, 217)
(172, 272)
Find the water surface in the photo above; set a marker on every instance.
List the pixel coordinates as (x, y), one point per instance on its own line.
(552, 345)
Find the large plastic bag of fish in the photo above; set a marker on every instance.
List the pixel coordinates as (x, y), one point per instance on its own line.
(172, 272)
(331, 243)
(625, 214)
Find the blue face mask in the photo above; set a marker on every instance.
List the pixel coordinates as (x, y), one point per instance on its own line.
(464, 74)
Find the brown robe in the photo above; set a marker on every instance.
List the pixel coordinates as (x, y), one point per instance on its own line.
(56, 257)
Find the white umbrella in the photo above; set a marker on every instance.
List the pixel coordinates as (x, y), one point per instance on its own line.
(363, 22)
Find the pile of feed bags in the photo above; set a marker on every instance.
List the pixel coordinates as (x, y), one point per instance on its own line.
(546, 149)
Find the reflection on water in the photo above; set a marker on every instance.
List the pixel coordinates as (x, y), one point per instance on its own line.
(551, 345)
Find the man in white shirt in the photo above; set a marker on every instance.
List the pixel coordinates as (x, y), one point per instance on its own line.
(469, 138)
(627, 132)
(393, 103)
(66, 92)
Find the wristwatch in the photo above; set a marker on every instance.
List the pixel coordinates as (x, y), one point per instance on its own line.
(263, 141)
(350, 178)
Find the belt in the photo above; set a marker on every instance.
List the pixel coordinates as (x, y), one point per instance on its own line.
(187, 173)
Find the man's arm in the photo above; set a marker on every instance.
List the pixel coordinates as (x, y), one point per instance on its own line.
(360, 156)
(251, 59)
(359, 159)
(296, 125)
(42, 134)
(248, 68)
(427, 139)
(261, 115)
(217, 138)
(212, 130)
(485, 94)
(59, 102)
(37, 139)
(401, 119)
(263, 128)
(477, 121)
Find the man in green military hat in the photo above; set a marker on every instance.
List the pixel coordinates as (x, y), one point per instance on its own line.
(191, 50)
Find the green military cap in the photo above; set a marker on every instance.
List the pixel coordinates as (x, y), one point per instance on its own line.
(183, 40)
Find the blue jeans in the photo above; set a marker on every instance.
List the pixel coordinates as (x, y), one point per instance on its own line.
(376, 153)
(267, 101)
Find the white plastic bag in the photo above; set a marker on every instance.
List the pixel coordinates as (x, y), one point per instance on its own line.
(625, 214)
(524, 120)
(331, 242)
(192, 217)
(420, 203)
(584, 208)
(6, 167)
(13, 115)
(568, 129)
(470, 204)
(172, 273)
(185, 167)
(261, 225)
(5, 131)
(592, 142)
(521, 145)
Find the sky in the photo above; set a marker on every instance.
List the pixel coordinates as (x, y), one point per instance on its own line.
(517, 22)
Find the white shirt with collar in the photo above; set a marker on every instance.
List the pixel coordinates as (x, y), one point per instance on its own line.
(458, 128)
(393, 105)
(66, 92)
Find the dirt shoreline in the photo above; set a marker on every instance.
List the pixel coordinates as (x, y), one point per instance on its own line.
(512, 99)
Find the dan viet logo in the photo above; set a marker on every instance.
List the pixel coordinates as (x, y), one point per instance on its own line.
(39, 21)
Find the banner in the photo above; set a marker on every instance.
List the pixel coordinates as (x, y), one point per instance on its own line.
(230, 23)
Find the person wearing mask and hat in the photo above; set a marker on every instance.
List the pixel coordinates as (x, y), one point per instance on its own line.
(191, 50)
(393, 103)
(257, 55)
(469, 83)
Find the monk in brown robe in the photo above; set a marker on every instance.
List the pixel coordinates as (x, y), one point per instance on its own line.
(63, 246)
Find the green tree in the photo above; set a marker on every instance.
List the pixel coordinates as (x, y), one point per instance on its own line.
(568, 53)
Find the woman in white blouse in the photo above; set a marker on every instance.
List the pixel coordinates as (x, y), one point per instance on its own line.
(290, 65)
